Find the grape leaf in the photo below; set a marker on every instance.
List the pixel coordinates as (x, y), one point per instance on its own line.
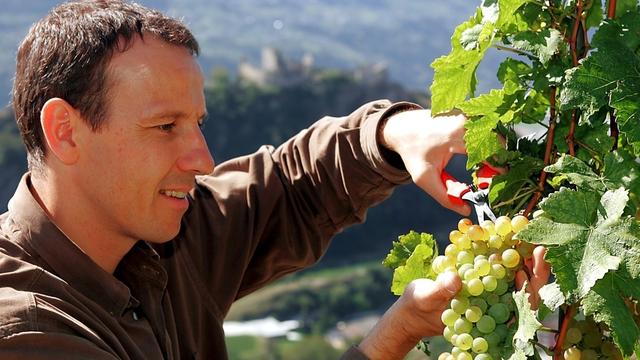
(625, 30)
(528, 323)
(608, 77)
(577, 173)
(620, 170)
(513, 74)
(405, 245)
(411, 257)
(543, 44)
(605, 302)
(586, 236)
(480, 139)
(454, 77)
(508, 11)
(417, 266)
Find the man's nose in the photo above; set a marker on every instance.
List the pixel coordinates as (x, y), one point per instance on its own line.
(197, 158)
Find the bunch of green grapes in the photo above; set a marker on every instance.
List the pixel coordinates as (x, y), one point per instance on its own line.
(486, 260)
(587, 340)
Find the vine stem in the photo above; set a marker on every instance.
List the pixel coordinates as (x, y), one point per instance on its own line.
(557, 348)
(575, 57)
(613, 124)
(547, 153)
(611, 11)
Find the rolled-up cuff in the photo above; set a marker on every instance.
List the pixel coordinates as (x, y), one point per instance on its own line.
(353, 354)
(385, 162)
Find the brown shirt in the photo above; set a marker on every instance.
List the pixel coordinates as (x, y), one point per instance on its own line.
(255, 219)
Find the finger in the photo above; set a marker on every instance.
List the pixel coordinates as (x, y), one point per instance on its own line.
(430, 182)
(446, 286)
(520, 279)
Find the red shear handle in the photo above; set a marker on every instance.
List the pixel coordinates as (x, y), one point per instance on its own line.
(455, 189)
(484, 176)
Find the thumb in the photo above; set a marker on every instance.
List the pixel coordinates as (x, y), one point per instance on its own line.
(443, 289)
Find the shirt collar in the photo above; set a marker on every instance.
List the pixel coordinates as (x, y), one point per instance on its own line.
(67, 260)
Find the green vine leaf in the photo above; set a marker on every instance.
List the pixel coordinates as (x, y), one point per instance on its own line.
(528, 323)
(454, 77)
(543, 44)
(411, 257)
(606, 304)
(586, 236)
(481, 141)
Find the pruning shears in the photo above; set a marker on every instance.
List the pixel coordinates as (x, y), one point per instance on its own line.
(476, 195)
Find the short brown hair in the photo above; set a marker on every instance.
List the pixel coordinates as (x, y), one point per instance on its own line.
(66, 54)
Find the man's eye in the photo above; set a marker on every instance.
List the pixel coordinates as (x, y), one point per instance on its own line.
(166, 127)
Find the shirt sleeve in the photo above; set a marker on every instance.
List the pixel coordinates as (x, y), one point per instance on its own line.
(50, 346)
(261, 216)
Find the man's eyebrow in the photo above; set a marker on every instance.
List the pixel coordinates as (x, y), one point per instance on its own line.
(173, 114)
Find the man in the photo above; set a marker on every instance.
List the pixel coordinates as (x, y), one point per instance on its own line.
(124, 242)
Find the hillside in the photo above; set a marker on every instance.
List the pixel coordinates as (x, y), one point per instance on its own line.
(403, 34)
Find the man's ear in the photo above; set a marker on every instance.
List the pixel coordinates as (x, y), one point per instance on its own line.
(59, 121)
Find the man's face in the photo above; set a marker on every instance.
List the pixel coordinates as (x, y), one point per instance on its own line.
(136, 171)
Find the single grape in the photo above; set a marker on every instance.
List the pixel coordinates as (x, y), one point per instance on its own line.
(573, 335)
(509, 275)
(486, 324)
(482, 266)
(459, 304)
(448, 333)
(507, 299)
(466, 257)
(518, 223)
(464, 224)
(572, 353)
(503, 225)
(493, 339)
(455, 351)
(499, 312)
(498, 271)
(464, 242)
(480, 345)
(502, 287)
(452, 250)
(510, 258)
(454, 235)
(475, 287)
(449, 317)
(464, 356)
(475, 232)
(491, 299)
(444, 356)
(462, 326)
(473, 314)
(488, 227)
(495, 258)
(475, 332)
(490, 283)
(479, 302)
(495, 241)
(471, 274)
(464, 341)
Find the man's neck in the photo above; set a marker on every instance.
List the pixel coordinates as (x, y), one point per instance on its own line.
(105, 249)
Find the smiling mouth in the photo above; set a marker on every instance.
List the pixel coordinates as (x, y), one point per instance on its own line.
(174, 194)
